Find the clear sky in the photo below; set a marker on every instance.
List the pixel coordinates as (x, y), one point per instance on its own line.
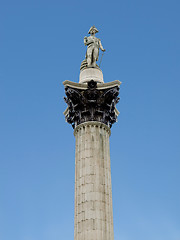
(41, 45)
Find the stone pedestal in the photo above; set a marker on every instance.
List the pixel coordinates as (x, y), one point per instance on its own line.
(92, 111)
(89, 74)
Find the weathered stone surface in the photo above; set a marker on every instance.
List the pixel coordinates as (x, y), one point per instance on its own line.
(93, 193)
(93, 45)
(92, 111)
(88, 74)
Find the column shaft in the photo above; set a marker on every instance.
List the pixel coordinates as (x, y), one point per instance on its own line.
(93, 192)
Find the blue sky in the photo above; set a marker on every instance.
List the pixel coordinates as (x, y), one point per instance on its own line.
(41, 45)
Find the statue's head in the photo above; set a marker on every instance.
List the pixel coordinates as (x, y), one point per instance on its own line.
(93, 30)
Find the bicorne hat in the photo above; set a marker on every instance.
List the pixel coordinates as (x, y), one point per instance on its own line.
(93, 28)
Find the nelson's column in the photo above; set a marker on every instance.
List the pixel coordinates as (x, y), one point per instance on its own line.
(91, 111)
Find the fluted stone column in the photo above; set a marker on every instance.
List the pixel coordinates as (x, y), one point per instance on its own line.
(92, 111)
(93, 193)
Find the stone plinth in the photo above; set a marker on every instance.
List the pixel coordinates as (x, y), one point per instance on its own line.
(93, 194)
(89, 74)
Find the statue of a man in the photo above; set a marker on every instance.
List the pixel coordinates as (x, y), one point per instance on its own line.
(93, 44)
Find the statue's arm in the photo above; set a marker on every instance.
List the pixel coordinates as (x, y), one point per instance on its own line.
(101, 47)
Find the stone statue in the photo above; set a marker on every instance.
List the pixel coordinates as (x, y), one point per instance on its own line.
(93, 44)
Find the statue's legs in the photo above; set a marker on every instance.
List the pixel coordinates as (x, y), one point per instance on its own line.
(92, 55)
(89, 56)
(95, 55)
(88, 60)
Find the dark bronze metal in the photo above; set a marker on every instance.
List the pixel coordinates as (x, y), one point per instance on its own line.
(91, 104)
